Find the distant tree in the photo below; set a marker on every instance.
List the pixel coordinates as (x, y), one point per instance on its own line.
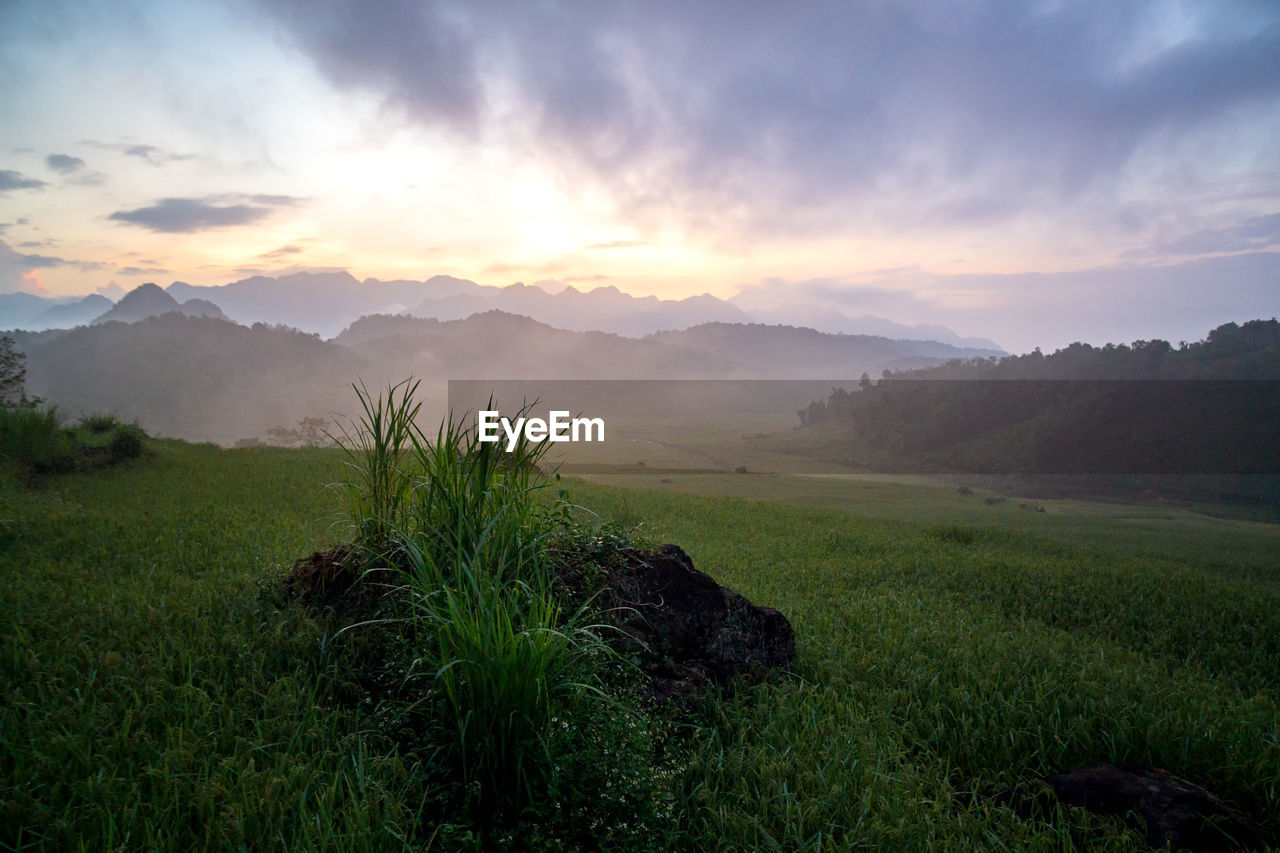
(310, 432)
(284, 436)
(13, 374)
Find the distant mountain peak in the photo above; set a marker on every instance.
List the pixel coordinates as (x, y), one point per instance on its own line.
(151, 300)
(149, 290)
(146, 298)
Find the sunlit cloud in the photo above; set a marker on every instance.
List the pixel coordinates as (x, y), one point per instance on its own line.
(283, 251)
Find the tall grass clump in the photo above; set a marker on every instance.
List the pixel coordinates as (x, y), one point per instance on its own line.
(475, 507)
(377, 446)
(504, 667)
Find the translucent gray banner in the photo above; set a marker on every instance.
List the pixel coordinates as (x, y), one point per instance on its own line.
(988, 427)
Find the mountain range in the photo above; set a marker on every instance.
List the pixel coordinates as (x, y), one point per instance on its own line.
(325, 303)
(205, 378)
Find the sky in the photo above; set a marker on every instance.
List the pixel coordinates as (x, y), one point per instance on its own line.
(1034, 172)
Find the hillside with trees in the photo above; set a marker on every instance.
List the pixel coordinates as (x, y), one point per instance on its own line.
(193, 377)
(1209, 409)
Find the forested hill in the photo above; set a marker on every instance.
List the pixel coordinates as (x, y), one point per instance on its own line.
(1231, 351)
(1145, 408)
(197, 378)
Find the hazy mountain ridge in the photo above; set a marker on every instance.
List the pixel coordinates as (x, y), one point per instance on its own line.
(197, 378)
(22, 310)
(320, 302)
(499, 345)
(604, 309)
(803, 353)
(213, 379)
(327, 302)
(73, 314)
(824, 319)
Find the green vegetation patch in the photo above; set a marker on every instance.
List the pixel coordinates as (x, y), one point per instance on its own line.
(158, 693)
(34, 442)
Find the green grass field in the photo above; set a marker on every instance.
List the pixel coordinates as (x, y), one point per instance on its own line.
(155, 696)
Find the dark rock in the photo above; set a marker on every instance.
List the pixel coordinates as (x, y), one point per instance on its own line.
(337, 584)
(324, 575)
(688, 631)
(1176, 812)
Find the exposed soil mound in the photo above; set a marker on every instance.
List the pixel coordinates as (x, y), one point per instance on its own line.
(336, 583)
(688, 631)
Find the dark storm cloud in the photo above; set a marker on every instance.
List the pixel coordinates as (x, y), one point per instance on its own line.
(64, 164)
(188, 215)
(957, 112)
(11, 180)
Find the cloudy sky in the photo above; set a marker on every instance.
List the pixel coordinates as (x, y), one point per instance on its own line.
(1037, 172)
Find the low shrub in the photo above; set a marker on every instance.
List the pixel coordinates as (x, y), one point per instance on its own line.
(33, 441)
(99, 422)
(126, 442)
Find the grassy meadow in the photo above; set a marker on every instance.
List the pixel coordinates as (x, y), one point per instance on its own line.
(157, 693)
